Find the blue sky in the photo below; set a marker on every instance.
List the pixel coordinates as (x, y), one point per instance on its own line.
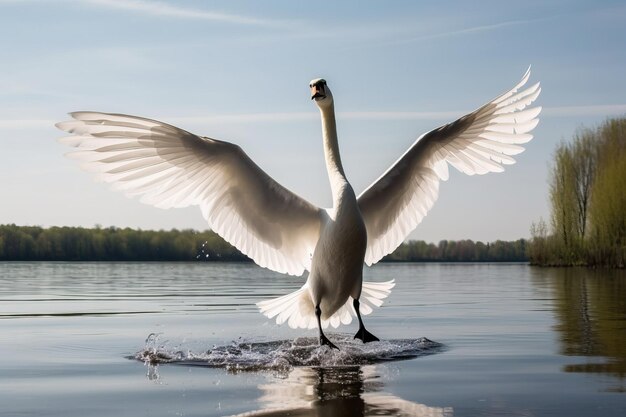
(239, 71)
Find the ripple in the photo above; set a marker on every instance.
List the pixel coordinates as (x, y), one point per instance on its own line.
(284, 355)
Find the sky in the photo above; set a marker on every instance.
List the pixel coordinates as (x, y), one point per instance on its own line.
(239, 71)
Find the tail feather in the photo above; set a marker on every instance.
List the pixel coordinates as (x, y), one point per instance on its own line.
(275, 306)
(374, 293)
(297, 310)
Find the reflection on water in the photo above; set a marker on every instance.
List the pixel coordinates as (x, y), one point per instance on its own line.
(520, 341)
(590, 306)
(354, 391)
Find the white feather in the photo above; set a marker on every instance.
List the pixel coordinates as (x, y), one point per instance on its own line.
(169, 167)
(476, 143)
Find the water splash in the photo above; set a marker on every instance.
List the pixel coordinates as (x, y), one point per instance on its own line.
(203, 254)
(284, 355)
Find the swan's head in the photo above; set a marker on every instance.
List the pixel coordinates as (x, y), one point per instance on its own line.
(321, 93)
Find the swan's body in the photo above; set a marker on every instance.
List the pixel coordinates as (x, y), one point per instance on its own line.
(170, 167)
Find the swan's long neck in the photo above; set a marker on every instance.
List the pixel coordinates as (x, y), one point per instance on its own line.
(334, 167)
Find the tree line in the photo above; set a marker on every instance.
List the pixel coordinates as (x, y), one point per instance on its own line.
(33, 243)
(26, 243)
(460, 251)
(587, 224)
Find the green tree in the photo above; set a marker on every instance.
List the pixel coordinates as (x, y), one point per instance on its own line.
(608, 204)
(587, 197)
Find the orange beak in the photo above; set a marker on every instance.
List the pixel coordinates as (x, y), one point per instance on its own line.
(317, 91)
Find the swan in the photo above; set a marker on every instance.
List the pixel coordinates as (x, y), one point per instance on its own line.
(170, 167)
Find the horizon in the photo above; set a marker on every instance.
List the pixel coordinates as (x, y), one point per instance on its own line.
(240, 71)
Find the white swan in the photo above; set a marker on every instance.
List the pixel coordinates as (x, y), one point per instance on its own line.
(169, 167)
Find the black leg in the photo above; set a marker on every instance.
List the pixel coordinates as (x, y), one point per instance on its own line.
(323, 339)
(362, 334)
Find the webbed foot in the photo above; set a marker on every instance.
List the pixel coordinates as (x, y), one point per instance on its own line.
(362, 334)
(324, 341)
(365, 336)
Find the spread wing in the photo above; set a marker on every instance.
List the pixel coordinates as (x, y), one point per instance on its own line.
(169, 167)
(479, 142)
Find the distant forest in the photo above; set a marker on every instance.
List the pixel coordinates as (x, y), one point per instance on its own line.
(32, 243)
(587, 224)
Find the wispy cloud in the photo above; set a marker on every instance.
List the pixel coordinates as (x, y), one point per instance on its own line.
(464, 31)
(313, 115)
(284, 117)
(399, 115)
(555, 111)
(13, 124)
(475, 29)
(246, 118)
(582, 111)
(164, 9)
(158, 8)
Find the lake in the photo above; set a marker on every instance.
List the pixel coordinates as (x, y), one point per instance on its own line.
(186, 339)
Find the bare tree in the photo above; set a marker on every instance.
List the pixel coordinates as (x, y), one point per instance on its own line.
(584, 152)
(563, 196)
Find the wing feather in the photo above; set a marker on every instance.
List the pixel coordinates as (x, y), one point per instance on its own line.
(169, 167)
(477, 143)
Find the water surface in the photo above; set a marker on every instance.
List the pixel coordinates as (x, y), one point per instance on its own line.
(456, 340)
